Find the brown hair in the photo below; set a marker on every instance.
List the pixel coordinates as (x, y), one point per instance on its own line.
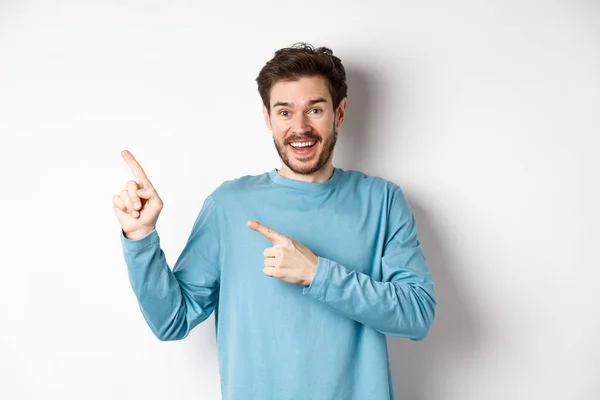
(299, 60)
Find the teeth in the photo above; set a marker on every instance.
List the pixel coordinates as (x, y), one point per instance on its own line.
(302, 144)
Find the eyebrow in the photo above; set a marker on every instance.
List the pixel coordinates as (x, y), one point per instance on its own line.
(310, 103)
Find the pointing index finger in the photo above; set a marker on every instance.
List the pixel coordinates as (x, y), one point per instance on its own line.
(267, 232)
(136, 168)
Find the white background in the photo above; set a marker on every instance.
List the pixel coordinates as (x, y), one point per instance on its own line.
(487, 114)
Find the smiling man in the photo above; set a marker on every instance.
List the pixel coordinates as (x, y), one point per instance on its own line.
(307, 267)
(304, 130)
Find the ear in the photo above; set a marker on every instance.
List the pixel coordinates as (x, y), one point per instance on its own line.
(267, 118)
(340, 113)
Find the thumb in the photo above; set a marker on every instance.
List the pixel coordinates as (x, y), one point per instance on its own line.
(144, 194)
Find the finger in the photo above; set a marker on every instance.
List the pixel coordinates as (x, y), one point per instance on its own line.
(118, 203)
(128, 204)
(132, 188)
(145, 194)
(270, 271)
(270, 252)
(119, 213)
(267, 232)
(136, 168)
(270, 262)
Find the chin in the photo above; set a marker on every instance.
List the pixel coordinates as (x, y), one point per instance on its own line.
(304, 170)
(305, 167)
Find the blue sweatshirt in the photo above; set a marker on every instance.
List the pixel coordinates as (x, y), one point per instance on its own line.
(276, 340)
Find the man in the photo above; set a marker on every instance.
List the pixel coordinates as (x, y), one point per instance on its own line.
(307, 267)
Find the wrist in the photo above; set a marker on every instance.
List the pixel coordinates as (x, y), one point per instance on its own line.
(137, 235)
(312, 272)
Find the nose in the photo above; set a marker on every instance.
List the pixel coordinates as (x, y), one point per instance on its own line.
(299, 123)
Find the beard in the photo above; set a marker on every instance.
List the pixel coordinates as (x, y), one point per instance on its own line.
(308, 168)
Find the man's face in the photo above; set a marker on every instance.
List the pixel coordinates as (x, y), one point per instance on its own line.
(304, 123)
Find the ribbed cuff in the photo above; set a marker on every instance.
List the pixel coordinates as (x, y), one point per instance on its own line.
(318, 286)
(150, 239)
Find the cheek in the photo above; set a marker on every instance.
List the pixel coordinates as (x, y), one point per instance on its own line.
(323, 126)
(279, 128)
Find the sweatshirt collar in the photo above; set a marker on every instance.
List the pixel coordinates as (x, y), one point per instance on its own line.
(306, 186)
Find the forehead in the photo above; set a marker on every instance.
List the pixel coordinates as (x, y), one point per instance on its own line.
(300, 92)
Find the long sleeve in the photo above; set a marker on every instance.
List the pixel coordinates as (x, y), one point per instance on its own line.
(401, 304)
(174, 302)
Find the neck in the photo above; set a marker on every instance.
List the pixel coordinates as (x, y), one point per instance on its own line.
(322, 175)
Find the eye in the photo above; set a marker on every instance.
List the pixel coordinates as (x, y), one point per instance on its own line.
(315, 111)
(284, 113)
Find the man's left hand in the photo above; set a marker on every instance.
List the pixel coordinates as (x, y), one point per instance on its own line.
(287, 260)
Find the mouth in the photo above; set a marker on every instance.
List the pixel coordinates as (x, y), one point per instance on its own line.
(304, 148)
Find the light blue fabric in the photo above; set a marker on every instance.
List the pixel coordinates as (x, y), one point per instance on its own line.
(278, 341)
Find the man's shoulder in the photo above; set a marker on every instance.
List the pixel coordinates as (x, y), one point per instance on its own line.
(235, 187)
(390, 194)
(370, 181)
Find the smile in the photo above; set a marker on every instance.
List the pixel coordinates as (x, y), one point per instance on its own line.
(299, 145)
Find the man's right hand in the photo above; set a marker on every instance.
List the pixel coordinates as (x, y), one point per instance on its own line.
(138, 206)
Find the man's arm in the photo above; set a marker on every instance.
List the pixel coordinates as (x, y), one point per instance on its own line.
(403, 303)
(174, 302)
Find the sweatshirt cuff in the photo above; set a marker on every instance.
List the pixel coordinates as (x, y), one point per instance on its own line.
(136, 245)
(318, 286)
